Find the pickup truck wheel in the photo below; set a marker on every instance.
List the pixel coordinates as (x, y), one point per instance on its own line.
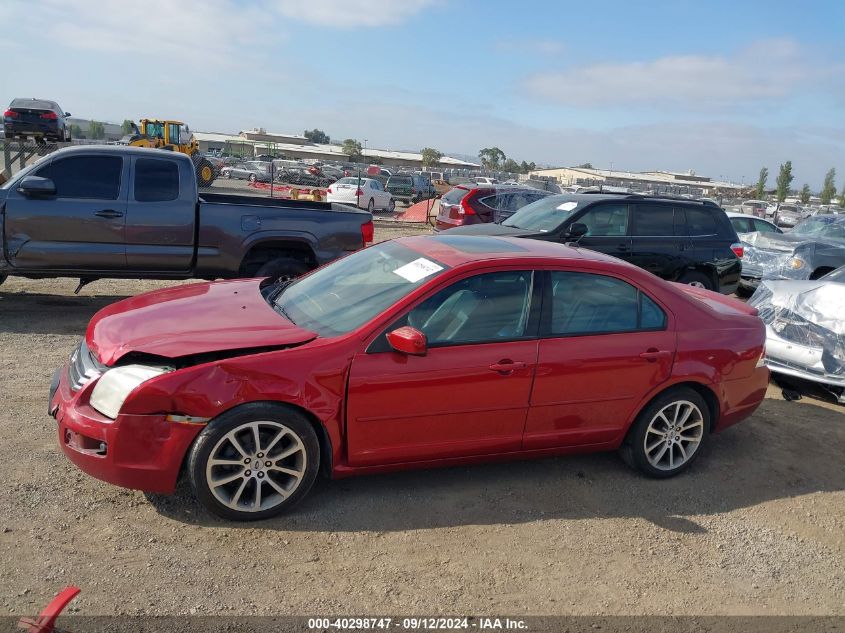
(254, 462)
(283, 268)
(696, 279)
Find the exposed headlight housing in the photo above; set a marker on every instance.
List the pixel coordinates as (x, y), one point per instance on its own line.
(116, 384)
(795, 263)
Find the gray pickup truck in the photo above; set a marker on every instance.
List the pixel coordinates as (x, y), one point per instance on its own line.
(113, 211)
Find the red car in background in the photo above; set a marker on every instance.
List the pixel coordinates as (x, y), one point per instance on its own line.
(480, 204)
(419, 352)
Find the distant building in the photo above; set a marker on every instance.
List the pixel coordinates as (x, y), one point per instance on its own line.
(255, 142)
(114, 131)
(659, 181)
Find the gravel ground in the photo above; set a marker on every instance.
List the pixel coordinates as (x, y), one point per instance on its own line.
(757, 526)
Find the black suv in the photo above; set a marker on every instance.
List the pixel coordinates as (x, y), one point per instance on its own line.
(681, 240)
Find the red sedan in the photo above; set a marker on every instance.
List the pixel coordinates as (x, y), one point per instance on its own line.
(419, 352)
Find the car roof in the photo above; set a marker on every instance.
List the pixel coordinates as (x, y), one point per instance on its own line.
(121, 150)
(457, 250)
(32, 102)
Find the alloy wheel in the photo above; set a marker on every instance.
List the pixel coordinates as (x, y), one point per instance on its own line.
(256, 466)
(674, 435)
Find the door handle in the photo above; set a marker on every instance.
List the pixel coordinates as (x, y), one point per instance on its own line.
(624, 246)
(652, 354)
(507, 366)
(109, 213)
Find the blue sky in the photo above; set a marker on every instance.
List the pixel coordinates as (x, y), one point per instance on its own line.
(719, 87)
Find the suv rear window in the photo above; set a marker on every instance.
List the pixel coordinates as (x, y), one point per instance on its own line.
(701, 222)
(400, 180)
(454, 196)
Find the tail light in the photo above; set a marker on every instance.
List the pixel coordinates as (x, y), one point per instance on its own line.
(329, 190)
(50, 116)
(466, 209)
(367, 232)
(738, 249)
(11, 114)
(359, 192)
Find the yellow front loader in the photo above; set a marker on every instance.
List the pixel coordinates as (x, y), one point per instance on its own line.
(174, 136)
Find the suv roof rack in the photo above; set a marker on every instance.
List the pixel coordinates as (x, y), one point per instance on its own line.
(637, 195)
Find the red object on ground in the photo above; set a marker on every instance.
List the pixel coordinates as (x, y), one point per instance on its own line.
(417, 212)
(381, 410)
(46, 622)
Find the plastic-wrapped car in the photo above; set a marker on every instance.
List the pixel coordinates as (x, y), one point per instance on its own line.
(805, 328)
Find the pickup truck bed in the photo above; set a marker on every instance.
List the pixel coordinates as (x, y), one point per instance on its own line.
(116, 211)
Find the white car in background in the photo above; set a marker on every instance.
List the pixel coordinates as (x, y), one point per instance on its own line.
(365, 193)
(745, 224)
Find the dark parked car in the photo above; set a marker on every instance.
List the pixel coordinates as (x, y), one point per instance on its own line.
(39, 118)
(410, 188)
(115, 211)
(481, 204)
(815, 247)
(681, 240)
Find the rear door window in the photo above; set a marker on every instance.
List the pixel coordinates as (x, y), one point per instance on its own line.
(653, 220)
(741, 225)
(763, 227)
(454, 196)
(91, 177)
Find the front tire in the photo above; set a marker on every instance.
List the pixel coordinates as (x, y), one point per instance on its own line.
(391, 206)
(283, 268)
(669, 434)
(254, 462)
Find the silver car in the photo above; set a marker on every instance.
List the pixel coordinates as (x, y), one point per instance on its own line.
(805, 328)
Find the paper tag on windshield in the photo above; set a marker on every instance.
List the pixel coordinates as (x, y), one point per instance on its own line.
(417, 269)
(567, 206)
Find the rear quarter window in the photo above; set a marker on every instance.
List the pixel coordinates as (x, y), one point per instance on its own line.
(156, 180)
(454, 196)
(701, 222)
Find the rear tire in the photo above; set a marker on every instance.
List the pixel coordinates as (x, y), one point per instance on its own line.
(283, 268)
(371, 205)
(668, 435)
(205, 173)
(696, 279)
(269, 453)
(251, 178)
(391, 206)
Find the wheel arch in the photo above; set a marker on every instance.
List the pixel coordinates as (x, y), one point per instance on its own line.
(705, 391)
(323, 438)
(259, 252)
(821, 271)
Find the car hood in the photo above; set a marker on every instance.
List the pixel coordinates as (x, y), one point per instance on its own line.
(819, 302)
(213, 317)
(492, 229)
(787, 242)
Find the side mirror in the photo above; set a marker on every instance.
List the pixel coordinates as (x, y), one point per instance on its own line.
(408, 340)
(67, 114)
(577, 230)
(34, 186)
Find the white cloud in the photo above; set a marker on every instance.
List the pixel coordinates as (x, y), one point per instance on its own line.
(348, 14)
(203, 34)
(766, 71)
(533, 46)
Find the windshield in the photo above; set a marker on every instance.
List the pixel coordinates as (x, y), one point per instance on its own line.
(821, 227)
(544, 215)
(345, 295)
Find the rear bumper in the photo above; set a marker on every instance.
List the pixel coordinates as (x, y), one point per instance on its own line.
(144, 452)
(32, 128)
(740, 398)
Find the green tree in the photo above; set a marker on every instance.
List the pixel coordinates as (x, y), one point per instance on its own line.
(96, 130)
(784, 180)
(527, 167)
(511, 166)
(352, 148)
(585, 166)
(761, 183)
(317, 136)
(430, 156)
(127, 126)
(491, 158)
(375, 160)
(829, 188)
(842, 197)
(805, 194)
(76, 131)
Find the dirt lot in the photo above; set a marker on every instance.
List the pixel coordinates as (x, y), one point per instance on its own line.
(757, 526)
